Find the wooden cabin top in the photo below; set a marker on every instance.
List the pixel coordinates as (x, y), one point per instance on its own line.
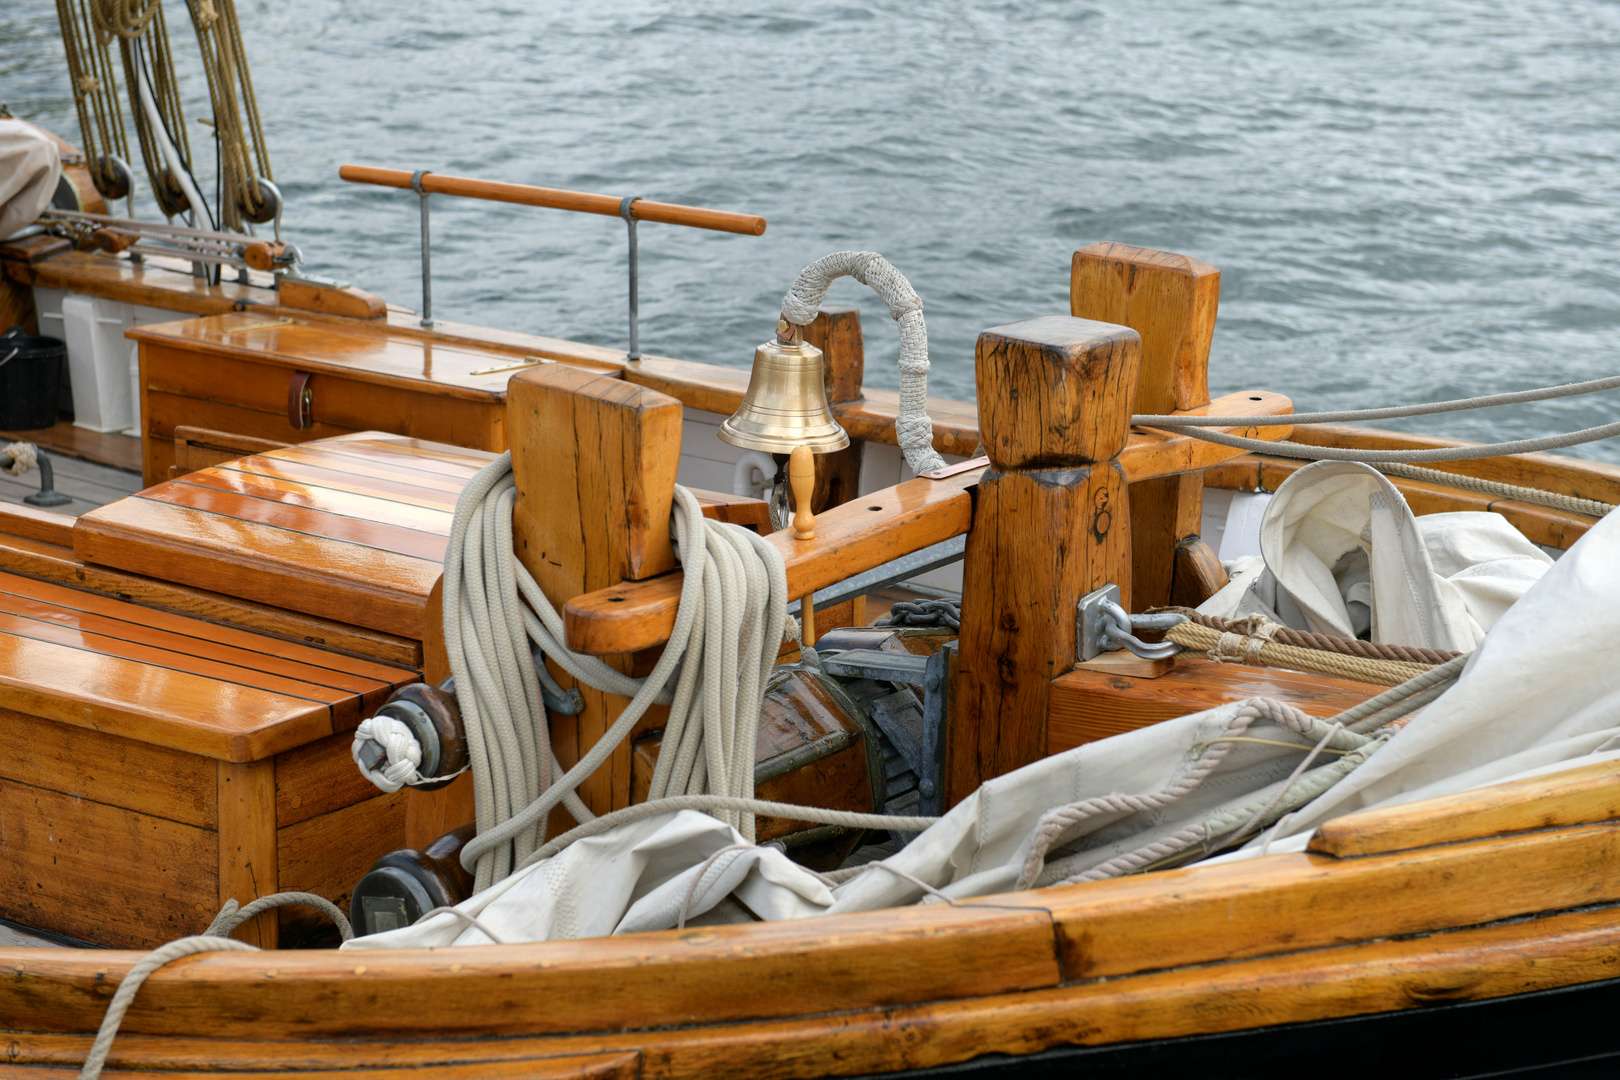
(454, 370)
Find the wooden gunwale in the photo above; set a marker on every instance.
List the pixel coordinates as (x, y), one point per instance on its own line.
(1209, 948)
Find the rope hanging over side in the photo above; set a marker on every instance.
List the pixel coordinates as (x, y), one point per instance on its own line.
(913, 429)
(214, 939)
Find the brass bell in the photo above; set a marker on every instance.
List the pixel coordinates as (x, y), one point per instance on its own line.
(786, 402)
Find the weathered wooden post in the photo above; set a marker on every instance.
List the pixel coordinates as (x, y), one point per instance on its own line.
(1170, 300)
(1051, 522)
(595, 459)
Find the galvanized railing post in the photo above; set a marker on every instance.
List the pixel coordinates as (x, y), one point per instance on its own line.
(629, 219)
(427, 260)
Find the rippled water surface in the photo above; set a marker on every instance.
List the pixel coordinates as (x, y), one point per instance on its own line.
(1406, 201)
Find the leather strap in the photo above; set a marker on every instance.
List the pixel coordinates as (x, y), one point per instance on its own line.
(296, 415)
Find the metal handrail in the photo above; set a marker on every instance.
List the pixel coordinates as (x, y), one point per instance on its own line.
(631, 208)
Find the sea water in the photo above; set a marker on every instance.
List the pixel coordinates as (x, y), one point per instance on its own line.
(1406, 201)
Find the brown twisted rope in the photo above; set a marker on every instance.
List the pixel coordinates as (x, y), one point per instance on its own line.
(1367, 650)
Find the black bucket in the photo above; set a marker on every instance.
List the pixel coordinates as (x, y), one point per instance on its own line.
(30, 380)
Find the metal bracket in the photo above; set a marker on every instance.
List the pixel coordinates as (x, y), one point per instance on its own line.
(924, 751)
(427, 259)
(625, 205)
(1091, 623)
(1102, 625)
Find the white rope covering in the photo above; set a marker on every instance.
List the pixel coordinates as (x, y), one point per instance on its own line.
(913, 430)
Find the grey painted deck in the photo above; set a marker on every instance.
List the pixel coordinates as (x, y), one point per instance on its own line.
(89, 484)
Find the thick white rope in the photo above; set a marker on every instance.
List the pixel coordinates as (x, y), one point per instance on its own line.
(913, 430)
(401, 767)
(728, 630)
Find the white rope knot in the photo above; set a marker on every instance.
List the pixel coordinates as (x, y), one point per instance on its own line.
(23, 458)
(404, 753)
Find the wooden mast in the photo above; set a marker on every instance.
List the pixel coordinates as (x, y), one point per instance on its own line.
(1050, 523)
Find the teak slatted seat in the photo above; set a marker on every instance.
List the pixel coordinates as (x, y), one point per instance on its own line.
(173, 681)
(351, 528)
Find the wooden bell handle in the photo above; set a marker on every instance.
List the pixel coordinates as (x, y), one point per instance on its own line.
(802, 475)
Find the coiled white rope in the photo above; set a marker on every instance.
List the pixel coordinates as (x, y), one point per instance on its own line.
(728, 629)
(913, 430)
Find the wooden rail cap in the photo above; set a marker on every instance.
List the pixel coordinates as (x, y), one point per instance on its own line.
(885, 525)
(558, 199)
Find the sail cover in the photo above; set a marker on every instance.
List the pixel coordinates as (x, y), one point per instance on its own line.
(1540, 693)
(29, 167)
(1343, 554)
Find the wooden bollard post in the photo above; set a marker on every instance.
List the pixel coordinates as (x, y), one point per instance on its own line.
(1050, 523)
(1170, 300)
(594, 458)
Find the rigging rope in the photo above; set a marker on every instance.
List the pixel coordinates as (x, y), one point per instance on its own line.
(214, 939)
(1339, 453)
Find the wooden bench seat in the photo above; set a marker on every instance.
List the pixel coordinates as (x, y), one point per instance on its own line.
(156, 677)
(352, 528)
(177, 762)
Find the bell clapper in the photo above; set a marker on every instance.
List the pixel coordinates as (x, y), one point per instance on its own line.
(802, 475)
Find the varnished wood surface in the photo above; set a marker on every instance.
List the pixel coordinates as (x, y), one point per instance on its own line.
(81, 658)
(351, 529)
(1087, 705)
(594, 459)
(1050, 524)
(247, 843)
(1169, 299)
(349, 302)
(56, 562)
(1200, 948)
(1580, 796)
(307, 345)
(198, 448)
(910, 516)
(558, 199)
